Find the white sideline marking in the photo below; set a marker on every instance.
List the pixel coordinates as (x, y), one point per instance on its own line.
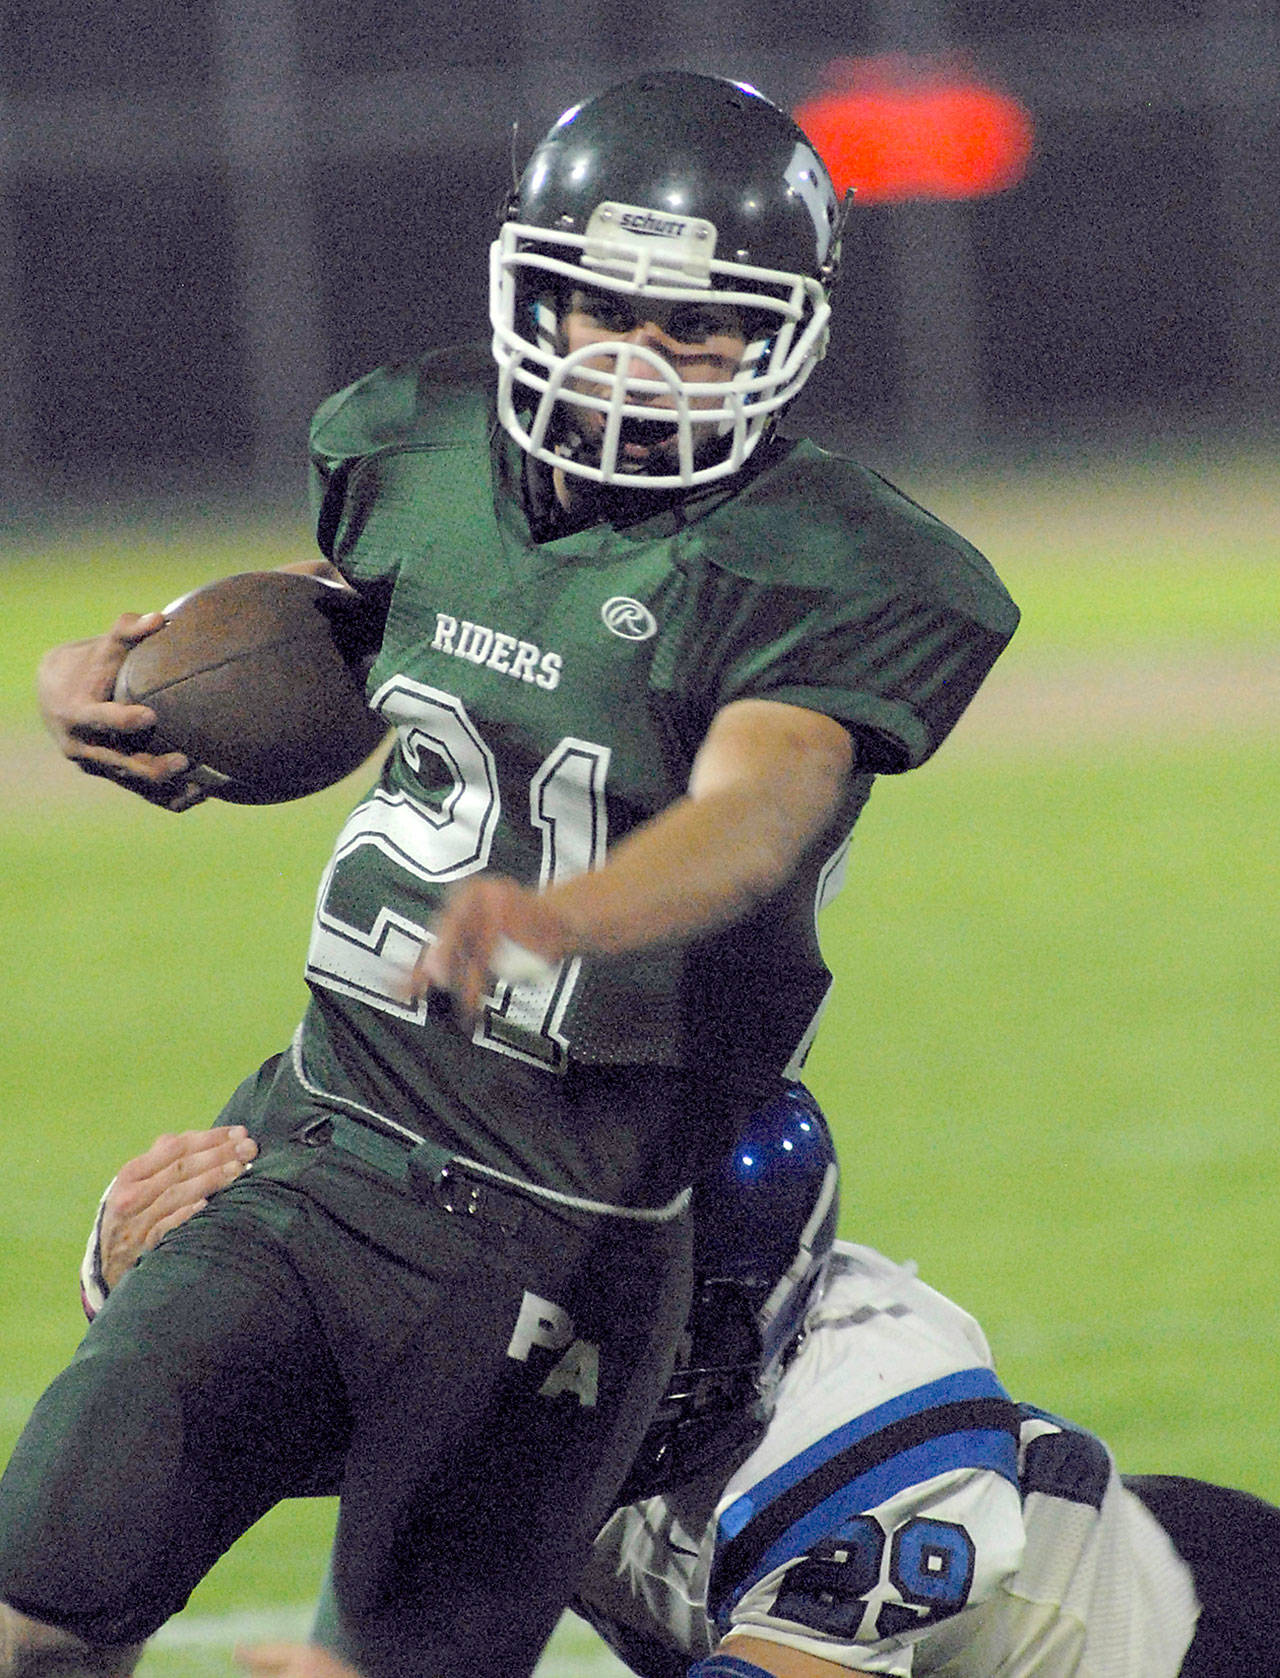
(574, 1651)
(217, 1631)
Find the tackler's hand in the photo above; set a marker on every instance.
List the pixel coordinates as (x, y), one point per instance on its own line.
(490, 928)
(74, 687)
(160, 1189)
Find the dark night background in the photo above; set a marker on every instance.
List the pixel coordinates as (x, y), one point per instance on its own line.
(214, 212)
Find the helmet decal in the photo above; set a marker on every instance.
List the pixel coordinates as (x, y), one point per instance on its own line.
(804, 175)
(639, 245)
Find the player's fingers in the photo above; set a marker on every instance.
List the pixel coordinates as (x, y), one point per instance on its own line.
(166, 781)
(90, 669)
(237, 1138)
(75, 685)
(438, 962)
(96, 747)
(457, 961)
(424, 974)
(191, 1187)
(138, 1215)
(157, 1231)
(132, 627)
(476, 980)
(97, 758)
(170, 1158)
(460, 934)
(146, 1164)
(411, 982)
(491, 929)
(99, 722)
(193, 1147)
(143, 1205)
(164, 1150)
(462, 958)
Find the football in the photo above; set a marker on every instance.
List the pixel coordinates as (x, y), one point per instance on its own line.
(259, 679)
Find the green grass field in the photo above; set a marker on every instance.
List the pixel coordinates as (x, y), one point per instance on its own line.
(1052, 1060)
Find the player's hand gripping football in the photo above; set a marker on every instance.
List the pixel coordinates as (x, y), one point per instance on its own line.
(160, 1189)
(74, 686)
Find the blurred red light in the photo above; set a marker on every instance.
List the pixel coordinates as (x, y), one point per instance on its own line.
(895, 129)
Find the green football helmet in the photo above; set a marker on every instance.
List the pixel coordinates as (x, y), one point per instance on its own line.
(673, 187)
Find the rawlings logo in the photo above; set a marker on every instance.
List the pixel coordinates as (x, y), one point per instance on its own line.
(630, 619)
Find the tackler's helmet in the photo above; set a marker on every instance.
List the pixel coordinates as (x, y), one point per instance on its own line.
(678, 188)
(764, 1221)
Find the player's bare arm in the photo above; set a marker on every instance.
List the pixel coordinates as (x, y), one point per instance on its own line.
(160, 1189)
(766, 781)
(784, 1661)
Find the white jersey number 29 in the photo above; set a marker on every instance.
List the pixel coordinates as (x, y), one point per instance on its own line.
(395, 838)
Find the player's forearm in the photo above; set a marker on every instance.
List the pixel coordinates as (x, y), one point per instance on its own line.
(778, 1660)
(749, 816)
(704, 863)
(767, 781)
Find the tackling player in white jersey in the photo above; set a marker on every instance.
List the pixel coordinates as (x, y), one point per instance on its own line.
(892, 1509)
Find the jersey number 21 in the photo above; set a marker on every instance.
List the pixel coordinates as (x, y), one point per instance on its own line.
(365, 942)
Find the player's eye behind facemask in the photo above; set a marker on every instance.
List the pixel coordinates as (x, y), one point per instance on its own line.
(765, 1219)
(691, 325)
(679, 198)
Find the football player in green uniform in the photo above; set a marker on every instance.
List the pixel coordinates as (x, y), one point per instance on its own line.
(644, 656)
(837, 1482)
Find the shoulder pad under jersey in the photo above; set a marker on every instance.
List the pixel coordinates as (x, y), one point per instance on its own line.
(432, 400)
(815, 520)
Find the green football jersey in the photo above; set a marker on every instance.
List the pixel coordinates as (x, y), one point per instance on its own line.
(548, 696)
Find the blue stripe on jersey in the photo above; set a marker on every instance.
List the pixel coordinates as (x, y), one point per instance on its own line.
(962, 1421)
(967, 1383)
(985, 1448)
